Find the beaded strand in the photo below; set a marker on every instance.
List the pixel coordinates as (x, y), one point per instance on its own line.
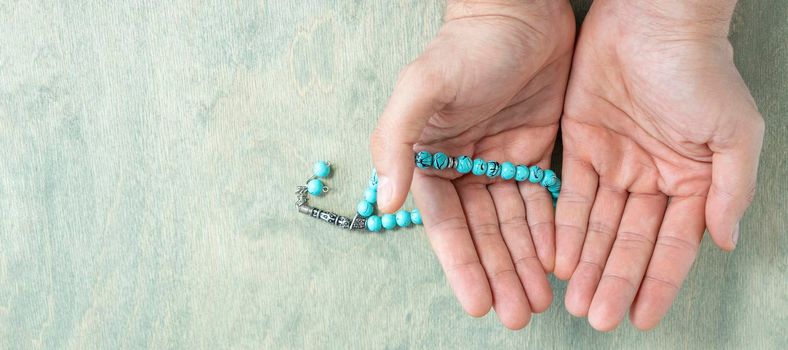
(492, 169)
(366, 218)
(375, 223)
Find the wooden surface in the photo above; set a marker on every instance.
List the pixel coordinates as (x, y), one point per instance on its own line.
(149, 154)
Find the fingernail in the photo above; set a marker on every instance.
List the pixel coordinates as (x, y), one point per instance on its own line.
(736, 234)
(384, 190)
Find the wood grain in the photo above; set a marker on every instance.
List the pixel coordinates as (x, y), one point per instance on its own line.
(149, 151)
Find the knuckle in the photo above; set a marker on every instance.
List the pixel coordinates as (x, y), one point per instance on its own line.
(544, 228)
(514, 222)
(487, 230)
(562, 228)
(662, 281)
(633, 240)
(677, 242)
(601, 228)
(611, 276)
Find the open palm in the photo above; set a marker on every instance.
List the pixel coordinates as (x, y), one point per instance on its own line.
(661, 140)
(491, 85)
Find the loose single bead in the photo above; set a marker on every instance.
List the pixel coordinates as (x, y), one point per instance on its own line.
(493, 168)
(440, 160)
(403, 218)
(549, 178)
(536, 174)
(507, 170)
(371, 195)
(479, 167)
(464, 164)
(389, 221)
(373, 223)
(522, 173)
(423, 159)
(364, 208)
(415, 216)
(315, 187)
(321, 169)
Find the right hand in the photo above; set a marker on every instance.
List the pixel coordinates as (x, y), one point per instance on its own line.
(490, 85)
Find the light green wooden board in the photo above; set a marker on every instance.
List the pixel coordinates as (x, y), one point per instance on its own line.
(148, 157)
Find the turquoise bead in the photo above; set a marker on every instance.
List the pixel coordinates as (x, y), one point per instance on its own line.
(371, 195)
(315, 187)
(440, 161)
(507, 170)
(364, 208)
(536, 174)
(373, 223)
(415, 216)
(555, 188)
(389, 221)
(373, 180)
(403, 218)
(321, 169)
(493, 169)
(522, 173)
(423, 159)
(464, 164)
(549, 178)
(479, 167)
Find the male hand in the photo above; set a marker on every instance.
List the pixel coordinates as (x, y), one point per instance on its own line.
(490, 85)
(661, 140)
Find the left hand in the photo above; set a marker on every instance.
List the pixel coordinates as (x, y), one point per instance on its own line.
(661, 140)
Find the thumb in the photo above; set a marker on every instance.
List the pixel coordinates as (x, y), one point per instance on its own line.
(420, 93)
(734, 174)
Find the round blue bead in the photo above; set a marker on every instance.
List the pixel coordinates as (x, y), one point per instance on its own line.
(536, 174)
(549, 178)
(423, 159)
(321, 169)
(464, 164)
(364, 208)
(373, 223)
(315, 187)
(371, 195)
(507, 170)
(522, 173)
(415, 216)
(403, 218)
(479, 167)
(389, 221)
(555, 188)
(493, 169)
(440, 161)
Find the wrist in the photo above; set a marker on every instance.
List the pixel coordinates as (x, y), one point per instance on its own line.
(678, 18)
(524, 10)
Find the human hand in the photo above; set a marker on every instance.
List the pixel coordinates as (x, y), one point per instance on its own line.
(661, 140)
(490, 85)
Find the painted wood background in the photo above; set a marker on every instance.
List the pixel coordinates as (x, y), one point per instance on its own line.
(149, 151)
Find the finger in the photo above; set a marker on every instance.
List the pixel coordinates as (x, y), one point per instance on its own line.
(541, 221)
(734, 173)
(602, 227)
(447, 230)
(628, 260)
(675, 250)
(517, 236)
(420, 92)
(509, 300)
(572, 211)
